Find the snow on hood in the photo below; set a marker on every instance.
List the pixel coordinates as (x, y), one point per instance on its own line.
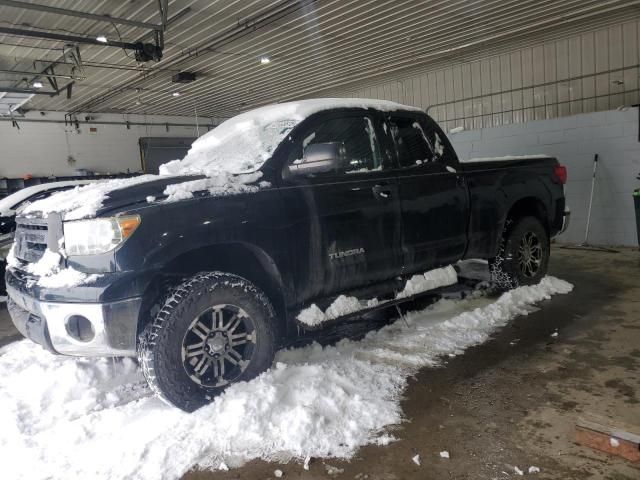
(80, 418)
(84, 201)
(9, 203)
(230, 155)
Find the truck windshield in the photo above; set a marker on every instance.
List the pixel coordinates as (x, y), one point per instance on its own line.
(243, 143)
(239, 145)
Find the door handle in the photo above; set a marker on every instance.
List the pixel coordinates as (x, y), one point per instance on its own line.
(381, 190)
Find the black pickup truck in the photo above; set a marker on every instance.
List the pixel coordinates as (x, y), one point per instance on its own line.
(205, 270)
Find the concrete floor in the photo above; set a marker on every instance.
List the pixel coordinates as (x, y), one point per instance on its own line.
(514, 400)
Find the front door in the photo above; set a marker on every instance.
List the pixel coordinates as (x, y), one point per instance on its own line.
(344, 223)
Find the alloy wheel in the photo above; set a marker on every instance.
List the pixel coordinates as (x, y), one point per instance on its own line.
(530, 255)
(218, 345)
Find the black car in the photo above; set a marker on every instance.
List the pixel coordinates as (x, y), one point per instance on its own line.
(205, 270)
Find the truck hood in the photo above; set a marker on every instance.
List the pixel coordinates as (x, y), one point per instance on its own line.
(95, 199)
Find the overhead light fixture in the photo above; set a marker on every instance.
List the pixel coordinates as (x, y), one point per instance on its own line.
(184, 77)
(176, 94)
(101, 39)
(37, 84)
(265, 59)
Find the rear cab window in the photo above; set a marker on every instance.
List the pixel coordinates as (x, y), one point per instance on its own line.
(418, 141)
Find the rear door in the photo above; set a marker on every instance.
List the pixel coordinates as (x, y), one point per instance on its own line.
(344, 225)
(433, 194)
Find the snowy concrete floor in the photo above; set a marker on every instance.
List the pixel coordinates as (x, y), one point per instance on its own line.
(513, 400)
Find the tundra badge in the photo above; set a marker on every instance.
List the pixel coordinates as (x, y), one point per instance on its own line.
(346, 253)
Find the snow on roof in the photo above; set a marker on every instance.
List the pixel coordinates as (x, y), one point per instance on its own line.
(237, 147)
(243, 143)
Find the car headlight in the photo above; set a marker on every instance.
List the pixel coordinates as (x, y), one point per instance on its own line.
(98, 235)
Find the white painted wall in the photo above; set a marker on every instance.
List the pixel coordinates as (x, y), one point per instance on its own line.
(43, 148)
(574, 140)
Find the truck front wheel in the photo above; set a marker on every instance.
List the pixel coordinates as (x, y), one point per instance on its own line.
(523, 257)
(215, 329)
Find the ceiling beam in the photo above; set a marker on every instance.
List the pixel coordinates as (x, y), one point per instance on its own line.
(30, 91)
(64, 37)
(39, 74)
(75, 13)
(163, 5)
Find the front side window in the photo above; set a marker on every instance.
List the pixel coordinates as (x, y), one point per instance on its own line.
(354, 137)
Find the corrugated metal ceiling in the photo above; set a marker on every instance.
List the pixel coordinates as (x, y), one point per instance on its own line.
(314, 45)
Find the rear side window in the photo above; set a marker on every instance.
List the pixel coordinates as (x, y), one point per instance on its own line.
(355, 133)
(415, 145)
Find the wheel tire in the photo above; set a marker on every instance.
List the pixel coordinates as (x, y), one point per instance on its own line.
(162, 350)
(523, 256)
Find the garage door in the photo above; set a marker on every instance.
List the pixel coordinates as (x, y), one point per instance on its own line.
(154, 151)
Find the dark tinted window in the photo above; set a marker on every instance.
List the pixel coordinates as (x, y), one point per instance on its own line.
(355, 133)
(411, 141)
(415, 144)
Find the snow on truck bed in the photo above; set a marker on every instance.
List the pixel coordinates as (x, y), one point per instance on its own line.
(230, 156)
(78, 418)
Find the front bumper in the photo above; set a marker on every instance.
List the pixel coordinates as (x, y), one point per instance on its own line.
(111, 331)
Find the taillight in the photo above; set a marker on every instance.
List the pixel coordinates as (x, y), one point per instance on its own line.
(560, 171)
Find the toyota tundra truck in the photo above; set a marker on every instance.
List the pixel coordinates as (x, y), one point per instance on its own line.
(203, 271)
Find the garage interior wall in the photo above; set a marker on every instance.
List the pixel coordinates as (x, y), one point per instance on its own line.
(43, 149)
(574, 140)
(592, 71)
(561, 98)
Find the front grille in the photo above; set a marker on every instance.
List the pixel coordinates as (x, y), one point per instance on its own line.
(30, 239)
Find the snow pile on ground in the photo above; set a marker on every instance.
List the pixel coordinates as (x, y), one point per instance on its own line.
(440, 277)
(344, 305)
(77, 418)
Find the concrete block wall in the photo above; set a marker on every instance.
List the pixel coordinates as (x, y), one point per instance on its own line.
(574, 140)
(43, 148)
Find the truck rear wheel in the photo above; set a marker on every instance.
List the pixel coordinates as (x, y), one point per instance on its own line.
(214, 330)
(523, 257)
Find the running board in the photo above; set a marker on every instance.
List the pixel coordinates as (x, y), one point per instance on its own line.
(462, 287)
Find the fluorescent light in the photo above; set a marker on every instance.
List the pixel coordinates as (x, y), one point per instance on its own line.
(101, 39)
(176, 94)
(37, 84)
(265, 59)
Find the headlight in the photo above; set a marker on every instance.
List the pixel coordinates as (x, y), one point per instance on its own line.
(99, 235)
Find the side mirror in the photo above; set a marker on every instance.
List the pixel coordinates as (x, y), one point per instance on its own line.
(319, 158)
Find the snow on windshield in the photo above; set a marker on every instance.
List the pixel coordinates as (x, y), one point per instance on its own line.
(230, 155)
(243, 143)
